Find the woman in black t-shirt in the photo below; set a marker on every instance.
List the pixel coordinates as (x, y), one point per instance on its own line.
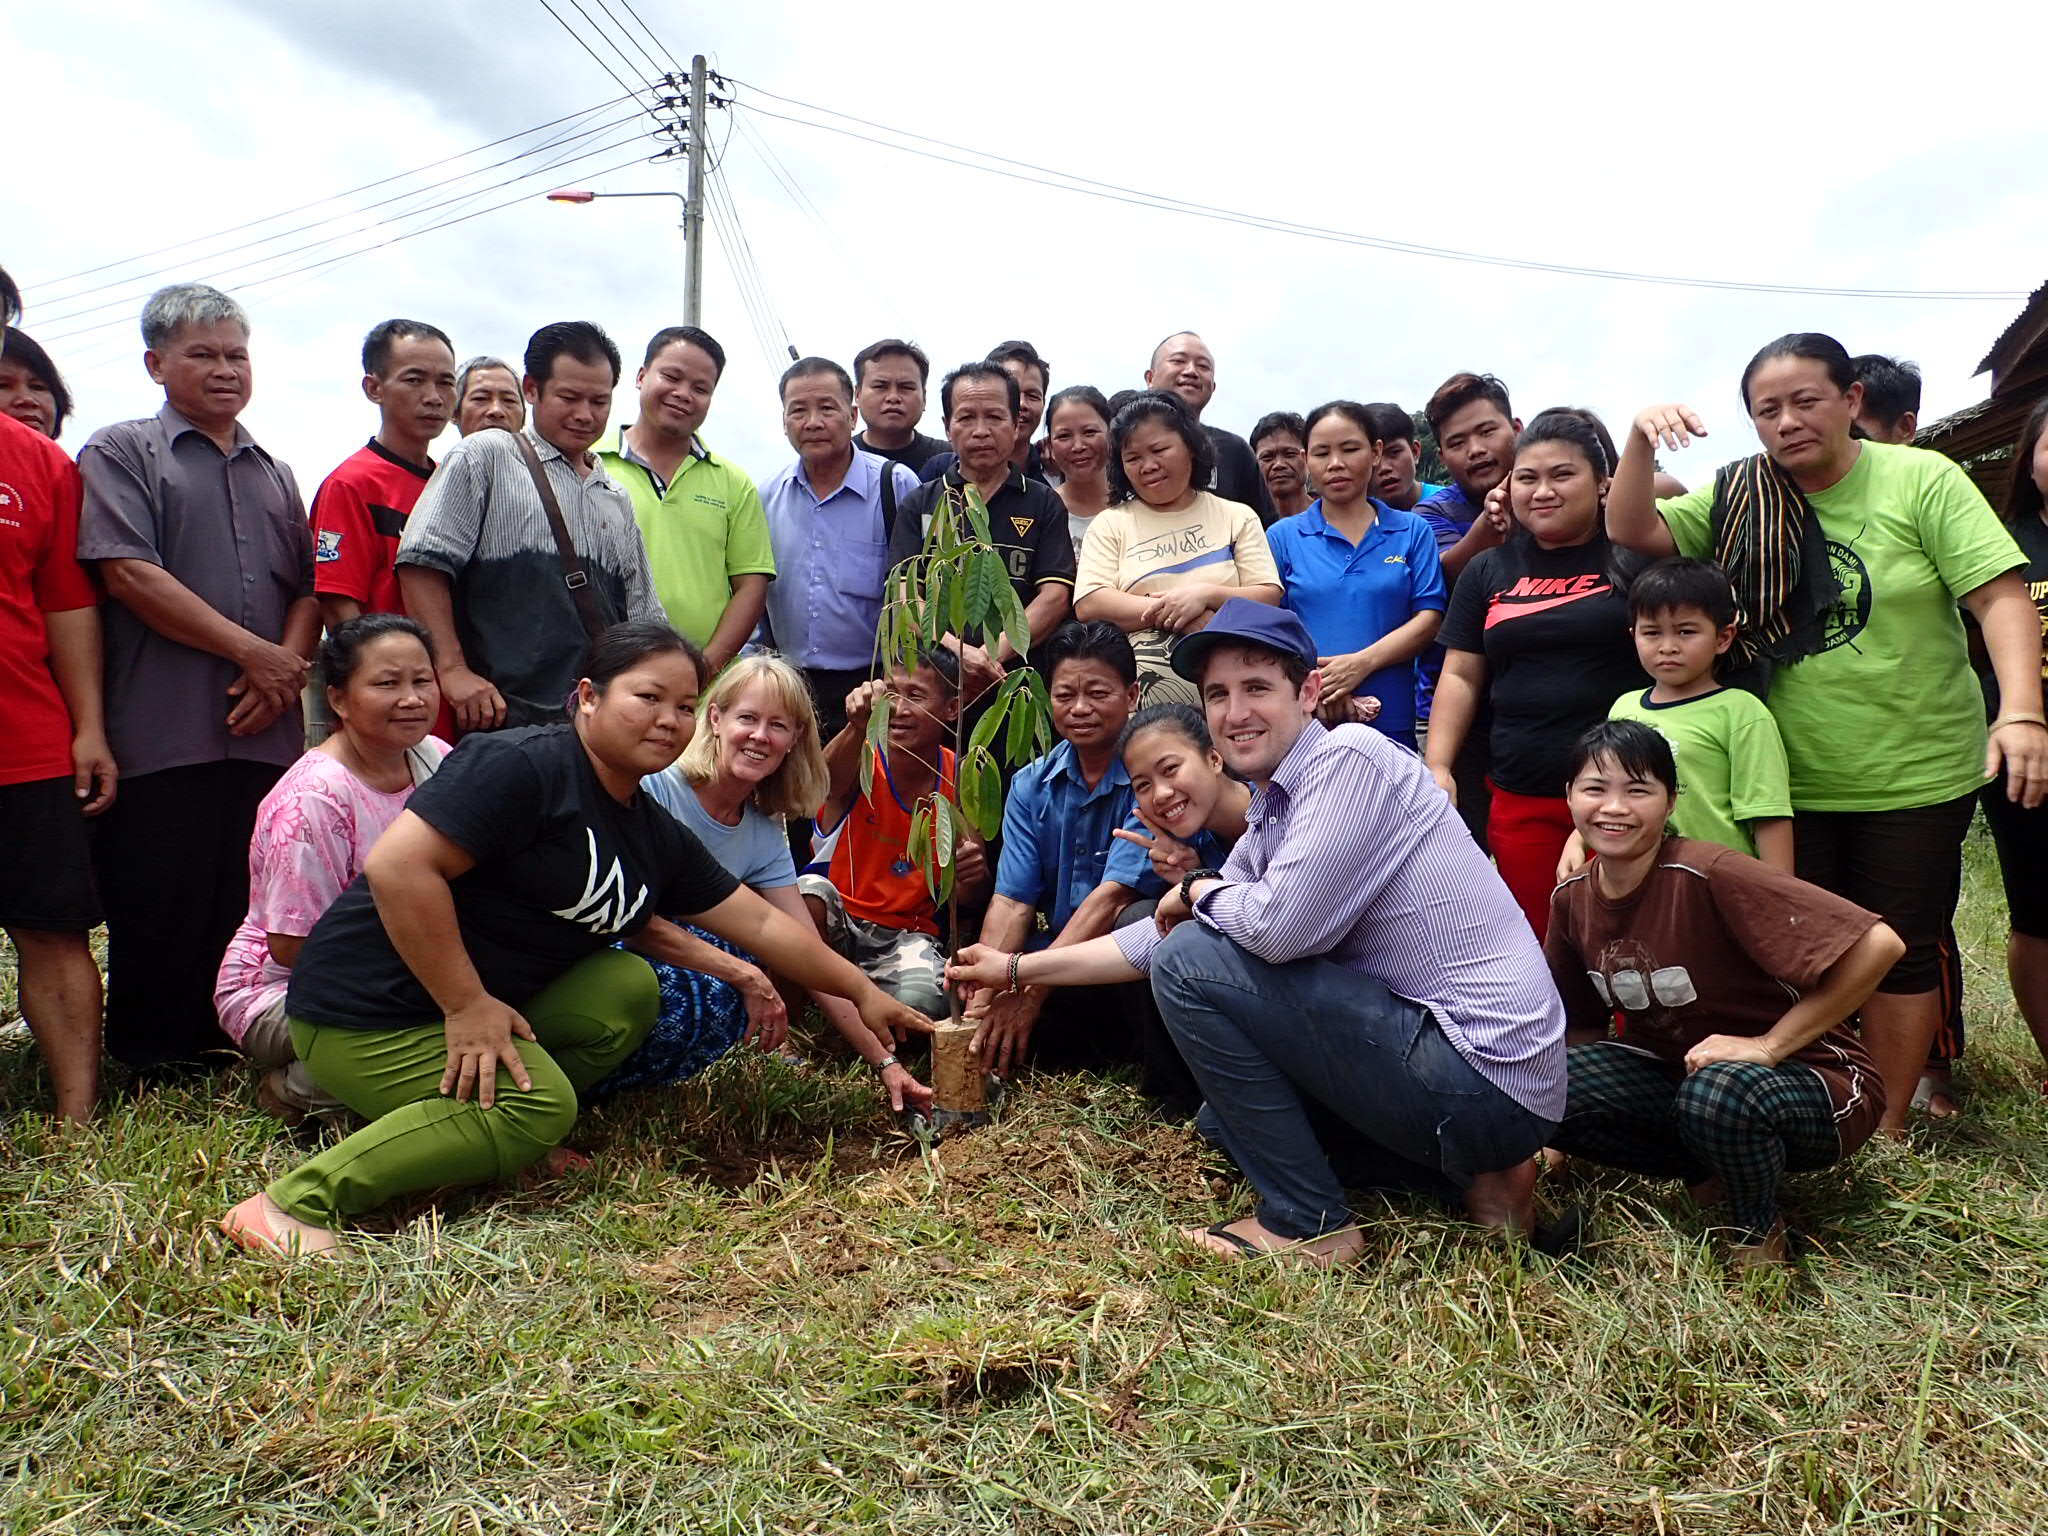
(2022, 834)
(1540, 626)
(486, 917)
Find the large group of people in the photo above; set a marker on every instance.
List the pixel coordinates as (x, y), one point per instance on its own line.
(1403, 835)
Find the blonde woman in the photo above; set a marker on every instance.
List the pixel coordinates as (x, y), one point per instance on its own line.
(752, 760)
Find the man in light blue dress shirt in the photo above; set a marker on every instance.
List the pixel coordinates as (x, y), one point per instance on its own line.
(828, 518)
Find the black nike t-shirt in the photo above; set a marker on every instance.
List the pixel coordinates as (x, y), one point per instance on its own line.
(1553, 627)
(562, 871)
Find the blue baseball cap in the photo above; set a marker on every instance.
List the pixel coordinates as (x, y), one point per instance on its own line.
(1242, 621)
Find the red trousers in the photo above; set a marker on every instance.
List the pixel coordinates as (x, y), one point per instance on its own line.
(1527, 834)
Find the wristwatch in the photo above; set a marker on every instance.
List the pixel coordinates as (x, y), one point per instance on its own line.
(1187, 883)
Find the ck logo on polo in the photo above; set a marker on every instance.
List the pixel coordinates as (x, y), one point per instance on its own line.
(605, 906)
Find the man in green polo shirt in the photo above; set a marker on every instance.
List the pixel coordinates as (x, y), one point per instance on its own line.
(699, 515)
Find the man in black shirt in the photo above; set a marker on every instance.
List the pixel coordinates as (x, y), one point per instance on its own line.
(981, 406)
(1020, 360)
(889, 381)
(1184, 364)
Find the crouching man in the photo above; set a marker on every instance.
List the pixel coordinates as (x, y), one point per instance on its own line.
(1356, 960)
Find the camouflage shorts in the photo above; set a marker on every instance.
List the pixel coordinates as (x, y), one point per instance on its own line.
(903, 963)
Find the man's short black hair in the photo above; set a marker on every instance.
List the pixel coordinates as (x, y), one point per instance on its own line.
(942, 664)
(386, 334)
(891, 346)
(1679, 583)
(1636, 749)
(1022, 352)
(1087, 640)
(990, 371)
(1891, 386)
(1461, 390)
(804, 368)
(583, 340)
(703, 340)
(1274, 422)
(1391, 424)
(10, 299)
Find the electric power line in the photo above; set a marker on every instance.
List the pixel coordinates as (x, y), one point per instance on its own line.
(402, 235)
(285, 213)
(1088, 187)
(599, 60)
(653, 64)
(131, 281)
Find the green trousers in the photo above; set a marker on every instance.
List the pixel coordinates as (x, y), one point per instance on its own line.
(585, 1023)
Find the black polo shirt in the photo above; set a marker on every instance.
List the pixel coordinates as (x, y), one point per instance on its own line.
(1027, 517)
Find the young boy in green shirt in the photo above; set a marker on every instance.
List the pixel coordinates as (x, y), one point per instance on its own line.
(1733, 785)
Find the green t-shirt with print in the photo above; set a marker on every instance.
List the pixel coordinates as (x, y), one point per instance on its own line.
(1886, 715)
(1731, 763)
(702, 529)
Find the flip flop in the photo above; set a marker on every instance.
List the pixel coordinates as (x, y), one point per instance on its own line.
(1564, 1237)
(1238, 1240)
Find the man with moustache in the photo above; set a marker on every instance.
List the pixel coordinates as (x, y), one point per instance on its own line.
(699, 514)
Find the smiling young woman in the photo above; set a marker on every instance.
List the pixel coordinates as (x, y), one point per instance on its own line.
(1539, 626)
(1734, 984)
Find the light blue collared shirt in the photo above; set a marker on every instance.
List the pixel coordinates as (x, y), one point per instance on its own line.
(831, 561)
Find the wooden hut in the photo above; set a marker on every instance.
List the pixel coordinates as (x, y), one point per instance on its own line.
(1980, 437)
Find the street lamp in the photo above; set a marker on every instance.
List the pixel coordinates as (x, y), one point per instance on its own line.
(586, 195)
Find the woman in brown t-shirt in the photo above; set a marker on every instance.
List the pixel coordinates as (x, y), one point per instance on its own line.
(1731, 1061)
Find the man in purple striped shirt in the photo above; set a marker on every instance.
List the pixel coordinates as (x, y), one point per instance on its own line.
(1356, 956)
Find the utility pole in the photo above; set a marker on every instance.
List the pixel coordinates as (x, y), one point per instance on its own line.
(693, 206)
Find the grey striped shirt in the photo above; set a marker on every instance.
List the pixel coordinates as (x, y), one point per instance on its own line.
(1353, 853)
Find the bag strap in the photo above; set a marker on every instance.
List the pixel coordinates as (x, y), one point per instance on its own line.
(574, 577)
(888, 500)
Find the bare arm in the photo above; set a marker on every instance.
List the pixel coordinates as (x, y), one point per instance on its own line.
(336, 610)
(1773, 836)
(2012, 634)
(1844, 987)
(1451, 715)
(1632, 517)
(843, 754)
(76, 663)
(742, 613)
(790, 947)
(408, 871)
(1342, 674)
(430, 597)
(1125, 610)
(1096, 963)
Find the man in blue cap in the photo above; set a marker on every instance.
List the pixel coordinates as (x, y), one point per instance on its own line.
(1356, 957)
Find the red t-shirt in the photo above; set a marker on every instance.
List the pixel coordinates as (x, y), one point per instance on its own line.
(870, 864)
(359, 516)
(39, 573)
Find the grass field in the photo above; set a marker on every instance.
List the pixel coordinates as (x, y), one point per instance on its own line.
(762, 1311)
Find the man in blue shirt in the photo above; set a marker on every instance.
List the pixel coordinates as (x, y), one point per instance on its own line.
(1059, 858)
(829, 517)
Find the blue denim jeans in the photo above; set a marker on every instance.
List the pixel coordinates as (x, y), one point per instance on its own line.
(1268, 1043)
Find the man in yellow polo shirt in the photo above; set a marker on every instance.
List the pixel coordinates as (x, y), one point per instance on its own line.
(699, 515)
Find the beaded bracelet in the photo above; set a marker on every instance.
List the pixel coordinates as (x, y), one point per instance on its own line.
(1015, 961)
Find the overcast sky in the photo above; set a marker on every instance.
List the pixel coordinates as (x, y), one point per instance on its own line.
(1715, 141)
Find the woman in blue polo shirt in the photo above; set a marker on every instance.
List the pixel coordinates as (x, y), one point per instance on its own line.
(1363, 576)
